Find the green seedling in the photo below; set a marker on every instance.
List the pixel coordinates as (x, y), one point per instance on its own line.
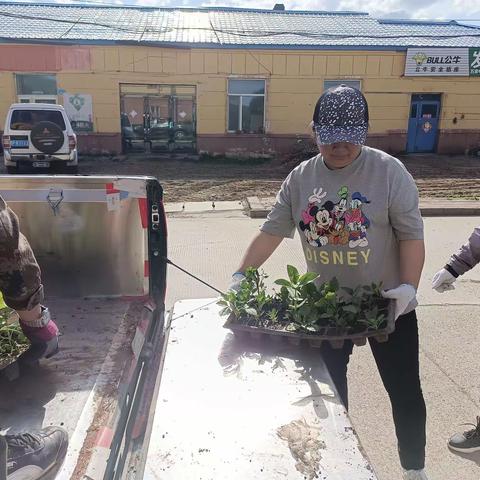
(272, 316)
(12, 340)
(301, 306)
(374, 319)
(251, 303)
(296, 286)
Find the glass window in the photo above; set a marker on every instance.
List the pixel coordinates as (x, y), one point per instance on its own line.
(26, 119)
(36, 84)
(249, 87)
(52, 99)
(234, 114)
(335, 83)
(413, 111)
(45, 100)
(246, 106)
(429, 111)
(252, 114)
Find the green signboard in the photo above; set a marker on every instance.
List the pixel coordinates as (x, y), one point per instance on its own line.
(474, 60)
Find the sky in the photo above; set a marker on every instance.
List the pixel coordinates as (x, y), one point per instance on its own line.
(414, 9)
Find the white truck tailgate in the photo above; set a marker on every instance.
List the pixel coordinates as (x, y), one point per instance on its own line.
(242, 410)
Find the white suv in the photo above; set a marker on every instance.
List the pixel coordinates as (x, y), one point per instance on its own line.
(39, 135)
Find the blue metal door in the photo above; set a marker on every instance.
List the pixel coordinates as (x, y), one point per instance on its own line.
(423, 123)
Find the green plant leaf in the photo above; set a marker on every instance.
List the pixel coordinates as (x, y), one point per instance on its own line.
(307, 278)
(251, 311)
(292, 273)
(283, 282)
(351, 309)
(225, 312)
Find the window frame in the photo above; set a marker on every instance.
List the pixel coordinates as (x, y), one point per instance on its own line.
(35, 98)
(19, 75)
(339, 81)
(240, 107)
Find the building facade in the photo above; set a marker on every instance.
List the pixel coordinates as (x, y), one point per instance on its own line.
(185, 88)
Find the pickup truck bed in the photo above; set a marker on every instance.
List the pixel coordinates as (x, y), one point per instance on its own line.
(78, 387)
(101, 245)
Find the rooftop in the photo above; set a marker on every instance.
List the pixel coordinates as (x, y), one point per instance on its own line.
(223, 27)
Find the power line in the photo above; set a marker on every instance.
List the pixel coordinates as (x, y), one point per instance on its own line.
(233, 32)
(65, 20)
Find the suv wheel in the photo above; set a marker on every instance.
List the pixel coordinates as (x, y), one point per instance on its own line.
(47, 137)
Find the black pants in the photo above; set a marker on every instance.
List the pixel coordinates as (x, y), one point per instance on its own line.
(398, 364)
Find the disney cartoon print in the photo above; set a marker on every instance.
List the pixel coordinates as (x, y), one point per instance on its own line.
(341, 223)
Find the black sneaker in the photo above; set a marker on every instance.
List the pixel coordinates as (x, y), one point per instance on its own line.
(467, 442)
(35, 456)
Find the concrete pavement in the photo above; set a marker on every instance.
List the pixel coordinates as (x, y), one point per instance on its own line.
(210, 244)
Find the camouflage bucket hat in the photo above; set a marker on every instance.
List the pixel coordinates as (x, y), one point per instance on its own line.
(341, 115)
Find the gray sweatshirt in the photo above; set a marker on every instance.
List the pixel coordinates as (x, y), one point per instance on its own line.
(467, 257)
(350, 220)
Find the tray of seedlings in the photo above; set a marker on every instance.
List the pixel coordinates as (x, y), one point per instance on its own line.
(12, 340)
(303, 312)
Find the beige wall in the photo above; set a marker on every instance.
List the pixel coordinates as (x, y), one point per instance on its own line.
(294, 82)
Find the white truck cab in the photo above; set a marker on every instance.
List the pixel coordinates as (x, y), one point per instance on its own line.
(39, 135)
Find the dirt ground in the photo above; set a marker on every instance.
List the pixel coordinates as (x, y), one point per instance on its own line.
(187, 180)
(223, 179)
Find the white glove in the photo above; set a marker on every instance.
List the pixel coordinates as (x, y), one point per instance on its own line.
(237, 279)
(402, 295)
(443, 281)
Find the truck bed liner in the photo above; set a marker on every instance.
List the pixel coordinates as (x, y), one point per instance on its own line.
(76, 389)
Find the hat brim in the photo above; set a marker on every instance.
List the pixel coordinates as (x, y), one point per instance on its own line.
(327, 134)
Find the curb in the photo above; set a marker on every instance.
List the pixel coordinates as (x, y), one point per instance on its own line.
(428, 208)
(255, 208)
(450, 210)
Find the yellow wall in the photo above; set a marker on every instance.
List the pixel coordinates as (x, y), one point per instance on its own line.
(7, 94)
(294, 82)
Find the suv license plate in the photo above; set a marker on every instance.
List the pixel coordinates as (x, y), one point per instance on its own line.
(41, 164)
(16, 143)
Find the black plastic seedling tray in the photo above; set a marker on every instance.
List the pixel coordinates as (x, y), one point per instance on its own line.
(314, 340)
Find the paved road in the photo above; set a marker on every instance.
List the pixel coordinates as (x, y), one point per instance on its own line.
(211, 245)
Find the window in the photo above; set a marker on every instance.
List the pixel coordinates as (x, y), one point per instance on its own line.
(429, 111)
(25, 119)
(37, 99)
(413, 111)
(335, 83)
(246, 106)
(36, 88)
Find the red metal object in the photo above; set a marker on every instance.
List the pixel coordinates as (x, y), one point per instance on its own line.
(6, 142)
(109, 188)
(72, 142)
(143, 206)
(146, 270)
(104, 437)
